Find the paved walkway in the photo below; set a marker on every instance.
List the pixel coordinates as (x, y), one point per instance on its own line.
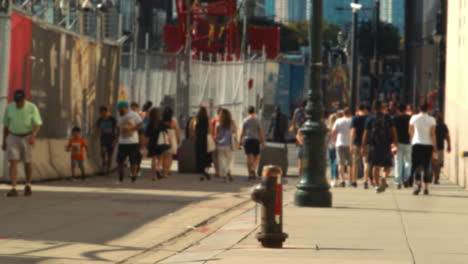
(362, 227)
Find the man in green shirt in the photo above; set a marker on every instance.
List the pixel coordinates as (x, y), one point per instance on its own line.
(22, 122)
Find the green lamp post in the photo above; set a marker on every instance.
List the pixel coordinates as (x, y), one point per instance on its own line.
(313, 189)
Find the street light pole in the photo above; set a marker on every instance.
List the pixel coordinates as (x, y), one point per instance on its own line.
(375, 87)
(354, 45)
(313, 189)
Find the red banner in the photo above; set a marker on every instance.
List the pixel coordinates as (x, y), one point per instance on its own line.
(20, 54)
(173, 38)
(268, 37)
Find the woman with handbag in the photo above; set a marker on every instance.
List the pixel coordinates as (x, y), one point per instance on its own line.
(173, 132)
(158, 143)
(202, 134)
(226, 143)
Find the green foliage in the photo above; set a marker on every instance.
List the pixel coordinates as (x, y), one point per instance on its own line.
(296, 34)
(300, 34)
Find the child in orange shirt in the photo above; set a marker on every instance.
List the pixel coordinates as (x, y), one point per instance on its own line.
(77, 145)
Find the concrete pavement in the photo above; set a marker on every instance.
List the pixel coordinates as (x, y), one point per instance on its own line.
(362, 227)
(98, 221)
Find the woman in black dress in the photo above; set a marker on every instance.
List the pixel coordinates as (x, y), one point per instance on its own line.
(157, 149)
(203, 158)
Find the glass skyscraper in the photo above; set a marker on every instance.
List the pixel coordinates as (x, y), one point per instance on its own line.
(339, 12)
(393, 12)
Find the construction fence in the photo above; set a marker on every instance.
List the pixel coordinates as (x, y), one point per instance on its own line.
(161, 79)
(67, 75)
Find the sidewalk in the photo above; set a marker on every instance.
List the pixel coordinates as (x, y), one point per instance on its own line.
(362, 227)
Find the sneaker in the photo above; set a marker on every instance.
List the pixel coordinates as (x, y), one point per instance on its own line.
(343, 184)
(426, 192)
(436, 182)
(133, 179)
(417, 190)
(366, 185)
(380, 189)
(398, 186)
(27, 190)
(383, 183)
(354, 184)
(12, 193)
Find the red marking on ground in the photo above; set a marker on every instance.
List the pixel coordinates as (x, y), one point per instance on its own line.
(204, 230)
(4, 238)
(123, 213)
(238, 230)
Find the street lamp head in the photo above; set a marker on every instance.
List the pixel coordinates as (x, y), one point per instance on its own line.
(86, 6)
(356, 7)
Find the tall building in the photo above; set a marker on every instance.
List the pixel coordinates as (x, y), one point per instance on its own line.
(281, 11)
(393, 12)
(456, 90)
(339, 12)
(270, 8)
(297, 10)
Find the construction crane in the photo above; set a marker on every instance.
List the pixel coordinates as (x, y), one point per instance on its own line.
(213, 25)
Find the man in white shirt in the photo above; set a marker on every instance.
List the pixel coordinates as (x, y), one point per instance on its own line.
(341, 135)
(129, 123)
(423, 141)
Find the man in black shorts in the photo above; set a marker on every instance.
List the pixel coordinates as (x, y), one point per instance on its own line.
(106, 129)
(380, 133)
(129, 124)
(253, 138)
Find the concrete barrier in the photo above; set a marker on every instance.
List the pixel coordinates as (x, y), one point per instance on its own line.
(274, 154)
(52, 162)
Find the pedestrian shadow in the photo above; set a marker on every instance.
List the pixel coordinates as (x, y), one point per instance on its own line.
(332, 249)
(397, 210)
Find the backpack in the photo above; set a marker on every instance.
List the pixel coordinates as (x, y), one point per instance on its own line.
(380, 133)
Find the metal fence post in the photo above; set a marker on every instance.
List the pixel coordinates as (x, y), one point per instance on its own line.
(4, 66)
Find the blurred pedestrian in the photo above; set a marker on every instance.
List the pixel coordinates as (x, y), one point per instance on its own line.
(21, 124)
(278, 126)
(357, 131)
(423, 139)
(442, 135)
(157, 143)
(226, 143)
(135, 107)
(253, 140)
(202, 132)
(213, 123)
(380, 132)
(300, 151)
(129, 123)
(106, 130)
(299, 118)
(341, 136)
(332, 149)
(77, 146)
(173, 132)
(402, 156)
(145, 112)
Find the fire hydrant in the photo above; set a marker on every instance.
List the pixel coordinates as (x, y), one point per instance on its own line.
(269, 194)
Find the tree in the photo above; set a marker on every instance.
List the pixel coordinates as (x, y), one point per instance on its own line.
(296, 34)
(388, 42)
(301, 33)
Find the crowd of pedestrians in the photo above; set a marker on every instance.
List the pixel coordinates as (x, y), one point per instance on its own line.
(364, 146)
(377, 139)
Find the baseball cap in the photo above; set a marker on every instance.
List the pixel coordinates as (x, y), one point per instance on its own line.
(122, 104)
(19, 96)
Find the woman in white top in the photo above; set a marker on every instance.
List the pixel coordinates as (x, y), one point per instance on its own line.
(225, 136)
